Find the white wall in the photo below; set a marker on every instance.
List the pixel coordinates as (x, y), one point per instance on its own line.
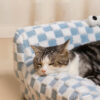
(19, 13)
(14, 12)
(94, 7)
(70, 9)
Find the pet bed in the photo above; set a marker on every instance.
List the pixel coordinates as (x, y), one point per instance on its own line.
(55, 86)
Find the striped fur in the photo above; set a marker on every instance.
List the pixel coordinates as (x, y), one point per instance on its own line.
(89, 55)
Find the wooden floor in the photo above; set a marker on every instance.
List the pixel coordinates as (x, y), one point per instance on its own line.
(9, 86)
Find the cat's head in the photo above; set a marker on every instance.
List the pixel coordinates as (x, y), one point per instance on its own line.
(49, 60)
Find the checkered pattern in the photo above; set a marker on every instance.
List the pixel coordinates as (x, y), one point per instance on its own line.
(56, 86)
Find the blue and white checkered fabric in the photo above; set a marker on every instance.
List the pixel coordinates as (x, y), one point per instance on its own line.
(57, 86)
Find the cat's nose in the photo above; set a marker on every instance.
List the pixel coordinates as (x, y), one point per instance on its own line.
(43, 70)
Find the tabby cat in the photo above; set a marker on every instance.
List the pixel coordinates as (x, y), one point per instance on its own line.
(83, 60)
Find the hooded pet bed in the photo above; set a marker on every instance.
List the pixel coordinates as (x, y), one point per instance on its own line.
(55, 86)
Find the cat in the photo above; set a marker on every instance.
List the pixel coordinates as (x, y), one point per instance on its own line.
(81, 61)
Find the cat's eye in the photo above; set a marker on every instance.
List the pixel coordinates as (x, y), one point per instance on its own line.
(60, 62)
(63, 63)
(51, 64)
(39, 65)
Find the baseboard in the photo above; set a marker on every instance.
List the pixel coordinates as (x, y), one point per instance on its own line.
(8, 31)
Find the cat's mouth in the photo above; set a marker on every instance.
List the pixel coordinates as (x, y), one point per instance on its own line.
(42, 74)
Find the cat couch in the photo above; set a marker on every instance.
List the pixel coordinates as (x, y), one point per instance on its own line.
(54, 86)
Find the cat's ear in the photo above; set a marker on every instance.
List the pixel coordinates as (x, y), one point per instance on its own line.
(66, 44)
(37, 49)
(63, 47)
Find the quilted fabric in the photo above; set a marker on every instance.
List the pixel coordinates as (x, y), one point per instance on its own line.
(56, 86)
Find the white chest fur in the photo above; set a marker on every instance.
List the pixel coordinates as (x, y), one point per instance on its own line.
(73, 66)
